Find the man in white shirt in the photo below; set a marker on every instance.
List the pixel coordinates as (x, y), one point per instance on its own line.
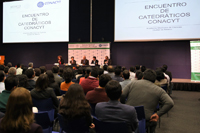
(2, 78)
(19, 69)
(132, 74)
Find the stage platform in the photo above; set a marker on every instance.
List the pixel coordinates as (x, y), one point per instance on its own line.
(185, 84)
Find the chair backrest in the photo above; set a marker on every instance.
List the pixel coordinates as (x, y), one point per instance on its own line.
(62, 92)
(42, 118)
(73, 126)
(93, 105)
(43, 104)
(110, 127)
(141, 118)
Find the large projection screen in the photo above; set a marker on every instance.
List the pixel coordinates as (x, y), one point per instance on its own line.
(36, 21)
(157, 20)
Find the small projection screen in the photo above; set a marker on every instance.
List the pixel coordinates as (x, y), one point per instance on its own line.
(157, 20)
(36, 21)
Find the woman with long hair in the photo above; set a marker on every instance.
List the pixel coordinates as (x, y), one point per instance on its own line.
(19, 117)
(42, 91)
(74, 105)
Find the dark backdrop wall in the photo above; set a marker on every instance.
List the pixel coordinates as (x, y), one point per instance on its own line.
(176, 54)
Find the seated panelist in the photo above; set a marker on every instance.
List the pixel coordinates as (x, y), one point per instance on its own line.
(84, 61)
(73, 62)
(94, 61)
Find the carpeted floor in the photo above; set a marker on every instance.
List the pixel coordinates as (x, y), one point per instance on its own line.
(184, 117)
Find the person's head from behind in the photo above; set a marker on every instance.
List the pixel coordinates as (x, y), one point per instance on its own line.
(9, 64)
(30, 73)
(101, 71)
(105, 67)
(149, 75)
(6, 69)
(24, 70)
(18, 65)
(95, 72)
(113, 90)
(55, 69)
(30, 64)
(139, 75)
(80, 70)
(23, 80)
(87, 72)
(42, 82)
(68, 75)
(159, 75)
(43, 69)
(165, 66)
(74, 102)
(143, 68)
(110, 69)
(137, 67)
(2, 67)
(11, 83)
(117, 72)
(2, 76)
(126, 74)
(50, 76)
(104, 79)
(19, 115)
(37, 71)
(12, 71)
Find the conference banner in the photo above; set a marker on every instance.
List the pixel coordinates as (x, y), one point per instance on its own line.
(78, 50)
(195, 60)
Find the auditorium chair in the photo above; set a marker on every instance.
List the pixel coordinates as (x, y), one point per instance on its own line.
(110, 127)
(73, 126)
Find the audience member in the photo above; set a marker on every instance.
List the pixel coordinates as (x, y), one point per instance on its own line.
(24, 69)
(43, 69)
(42, 91)
(99, 94)
(6, 71)
(91, 82)
(9, 64)
(2, 67)
(31, 83)
(23, 81)
(19, 117)
(132, 74)
(30, 65)
(37, 74)
(12, 71)
(11, 83)
(67, 75)
(60, 72)
(143, 68)
(57, 78)
(160, 78)
(138, 75)
(19, 69)
(74, 106)
(52, 83)
(101, 71)
(105, 68)
(117, 76)
(146, 93)
(110, 71)
(127, 80)
(137, 67)
(87, 72)
(80, 72)
(2, 79)
(83, 75)
(106, 111)
(167, 72)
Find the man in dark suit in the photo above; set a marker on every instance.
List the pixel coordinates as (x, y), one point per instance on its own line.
(84, 61)
(95, 61)
(107, 61)
(113, 110)
(73, 62)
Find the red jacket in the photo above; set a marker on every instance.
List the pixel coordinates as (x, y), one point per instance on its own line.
(89, 84)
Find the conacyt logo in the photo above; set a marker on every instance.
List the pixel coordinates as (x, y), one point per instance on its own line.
(41, 4)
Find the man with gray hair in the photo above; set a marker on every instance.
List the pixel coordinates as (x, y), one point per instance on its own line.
(12, 71)
(30, 65)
